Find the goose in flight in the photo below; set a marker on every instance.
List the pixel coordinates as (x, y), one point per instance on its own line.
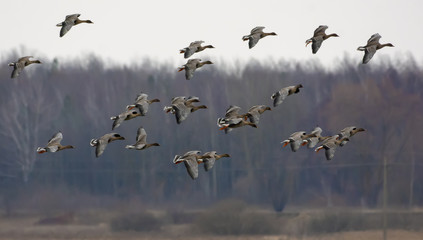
(255, 35)
(70, 21)
(209, 158)
(101, 143)
(19, 65)
(182, 107)
(194, 47)
(233, 119)
(330, 146)
(191, 160)
(142, 103)
(280, 95)
(296, 140)
(54, 145)
(141, 141)
(254, 112)
(372, 46)
(127, 115)
(191, 66)
(318, 37)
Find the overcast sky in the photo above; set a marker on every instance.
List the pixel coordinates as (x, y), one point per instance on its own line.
(127, 31)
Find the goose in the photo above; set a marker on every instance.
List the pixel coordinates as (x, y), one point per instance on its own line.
(330, 146)
(182, 107)
(255, 35)
(191, 66)
(210, 158)
(101, 143)
(350, 131)
(127, 115)
(254, 112)
(19, 65)
(142, 103)
(191, 160)
(318, 37)
(280, 95)
(372, 46)
(141, 141)
(296, 140)
(233, 120)
(194, 47)
(311, 142)
(54, 145)
(70, 21)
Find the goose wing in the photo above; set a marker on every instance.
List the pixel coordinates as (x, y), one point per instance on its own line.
(232, 111)
(253, 40)
(257, 30)
(279, 96)
(191, 166)
(320, 30)
(181, 112)
(368, 53)
(55, 139)
(317, 42)
(141, 135)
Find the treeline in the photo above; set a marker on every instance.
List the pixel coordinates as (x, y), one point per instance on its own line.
(79, 97)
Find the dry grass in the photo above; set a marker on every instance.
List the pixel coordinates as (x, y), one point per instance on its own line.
(94, 225)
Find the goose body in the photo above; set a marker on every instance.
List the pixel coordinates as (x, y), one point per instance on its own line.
(296, 140)
(54, 145)
(19, 65)
(141, 141)
(191, 66)
(69, 22)
(182, 107)
(194, 47)
(209, 158)
(142, 103)
(127, 115)
(279, 96)
(191, 160)
(318, 37)
(372, 46)
(101, 143)
(233, 119)
(254, 112)
(255, 35)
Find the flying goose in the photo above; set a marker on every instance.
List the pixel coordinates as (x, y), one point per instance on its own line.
(54, 145)
(194, 47)
(127, 115)
(182, 107)
(254, 112)
(330, 146)
(101, 143)
(191, 66)
(209, 158)
(142, 103)
(191, 160)
(20, 64)
(372, 46)
(318, 37)
(312, 141)
(296, 140)
(141, 141)
(280, 95)
(255, 35)
(70, 21)
(233, 119)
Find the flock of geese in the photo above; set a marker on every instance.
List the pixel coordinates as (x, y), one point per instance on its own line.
(183, 106)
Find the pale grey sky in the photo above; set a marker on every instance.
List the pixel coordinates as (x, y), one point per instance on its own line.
(127, 31)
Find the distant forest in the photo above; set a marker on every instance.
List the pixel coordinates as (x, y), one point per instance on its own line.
(79, 97)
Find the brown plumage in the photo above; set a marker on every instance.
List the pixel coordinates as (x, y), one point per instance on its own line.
(372, 46)
(318, 38)
(191, 66)
(255, 35)
(54, 145)
(20, 64)
(70, 21)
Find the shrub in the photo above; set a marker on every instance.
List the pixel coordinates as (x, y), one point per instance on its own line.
(140, 222)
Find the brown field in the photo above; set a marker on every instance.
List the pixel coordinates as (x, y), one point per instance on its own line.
(89, 226)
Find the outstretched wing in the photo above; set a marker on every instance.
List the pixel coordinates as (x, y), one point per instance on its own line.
(320, 30)
(192, 166)
(279, 96)
(232, 111)
(181, 112)
(257, 30)
(141, 135)
(56, 138)
(368, 53)
(317, 42)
